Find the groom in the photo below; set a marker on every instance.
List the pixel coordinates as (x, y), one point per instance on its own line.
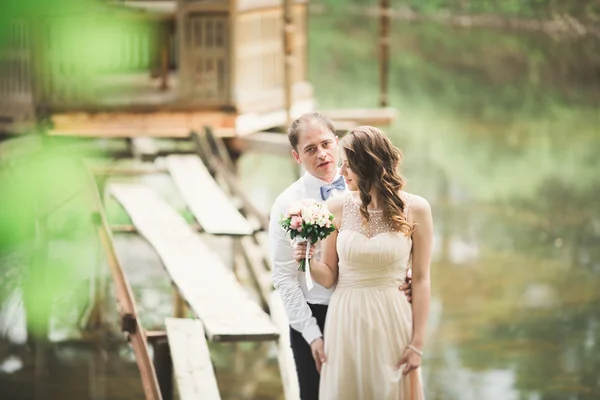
(315, 146)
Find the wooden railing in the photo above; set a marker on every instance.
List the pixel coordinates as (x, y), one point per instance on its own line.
(130, 322)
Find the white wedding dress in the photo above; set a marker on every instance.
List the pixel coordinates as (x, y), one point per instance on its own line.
(369, 321)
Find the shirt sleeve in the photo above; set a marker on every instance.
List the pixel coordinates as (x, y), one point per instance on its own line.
(285, 279)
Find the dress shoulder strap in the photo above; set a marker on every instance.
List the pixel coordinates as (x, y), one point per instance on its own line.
(407, 198)
(346, 210)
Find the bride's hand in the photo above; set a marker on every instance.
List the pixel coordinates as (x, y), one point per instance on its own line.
(300, 251)
(412, 360)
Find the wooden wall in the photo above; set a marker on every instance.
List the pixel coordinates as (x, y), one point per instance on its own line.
(205, 58)
(16, 91)
(259, 56)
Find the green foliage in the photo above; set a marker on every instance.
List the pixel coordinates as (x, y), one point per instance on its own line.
(45, 214)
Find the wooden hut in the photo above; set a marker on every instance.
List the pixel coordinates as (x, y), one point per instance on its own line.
(153, 68)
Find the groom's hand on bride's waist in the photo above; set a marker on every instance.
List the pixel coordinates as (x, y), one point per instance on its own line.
(407, 289)
(318, 352)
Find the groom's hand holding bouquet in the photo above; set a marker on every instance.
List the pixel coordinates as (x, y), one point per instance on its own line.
(307, 221)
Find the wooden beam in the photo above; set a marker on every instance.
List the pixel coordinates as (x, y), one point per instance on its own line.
(211, 207)
(194, 372)
(171, 124)
(155, 335)
(226, 308)
(264, 142)
(363, 116)
(127, 307)
(221, 151)
(138, 124)
(260, 276)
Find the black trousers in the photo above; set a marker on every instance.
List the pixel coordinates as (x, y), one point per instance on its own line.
(308, 377)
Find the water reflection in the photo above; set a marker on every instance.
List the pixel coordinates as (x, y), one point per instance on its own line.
(508, 159)
(69, 371)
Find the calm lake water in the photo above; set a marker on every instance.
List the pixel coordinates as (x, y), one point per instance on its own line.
(500, 132)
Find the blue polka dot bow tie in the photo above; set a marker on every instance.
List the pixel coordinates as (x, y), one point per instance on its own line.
(338, 184)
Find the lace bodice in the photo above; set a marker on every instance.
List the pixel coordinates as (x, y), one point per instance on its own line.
(352, 218)
(370, 254)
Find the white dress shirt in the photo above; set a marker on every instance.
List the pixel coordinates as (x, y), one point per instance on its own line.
(290, 282)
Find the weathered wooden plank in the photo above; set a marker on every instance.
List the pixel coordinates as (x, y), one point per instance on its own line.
(226, 308)
(210, 205)
(226, 171)
(192, 365)
(287, 365)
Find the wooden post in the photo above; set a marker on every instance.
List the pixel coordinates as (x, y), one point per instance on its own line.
(42, 372)
(255, 268)
(249, 380)
(163, 365)
(165, 51)
(41, 315)
(95, 318)
(98, 382)
(233, 59)
(98, 286)
(37, 308)
(183, 61)
(236, 247)
(179, 306)
(384, 51)
(288, 43)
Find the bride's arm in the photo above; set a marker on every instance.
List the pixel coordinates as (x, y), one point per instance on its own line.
(325, 270)
(422, 238)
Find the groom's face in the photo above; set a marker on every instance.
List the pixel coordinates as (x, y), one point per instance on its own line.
(317, 151)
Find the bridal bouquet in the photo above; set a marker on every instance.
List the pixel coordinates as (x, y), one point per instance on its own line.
(307, 221)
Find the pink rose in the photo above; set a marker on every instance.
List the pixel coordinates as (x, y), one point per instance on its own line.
(296, 222)
(328, 224)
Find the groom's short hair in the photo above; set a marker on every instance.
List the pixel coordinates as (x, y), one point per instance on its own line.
(296, 126)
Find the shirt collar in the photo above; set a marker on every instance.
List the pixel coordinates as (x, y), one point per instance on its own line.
(314, 183)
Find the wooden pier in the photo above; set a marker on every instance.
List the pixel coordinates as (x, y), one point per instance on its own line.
(223, 310)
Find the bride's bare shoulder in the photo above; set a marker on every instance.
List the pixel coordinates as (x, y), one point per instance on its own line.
(416, 203)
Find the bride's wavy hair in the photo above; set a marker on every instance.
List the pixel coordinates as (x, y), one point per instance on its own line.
(375, 161)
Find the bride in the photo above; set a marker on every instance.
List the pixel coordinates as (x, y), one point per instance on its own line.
(374, 337)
